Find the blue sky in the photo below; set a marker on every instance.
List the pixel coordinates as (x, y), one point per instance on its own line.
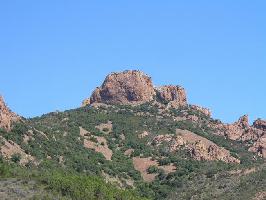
(54, 53)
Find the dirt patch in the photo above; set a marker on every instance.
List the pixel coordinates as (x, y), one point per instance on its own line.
(99, 146)
(83, 132)
(105, 128)
(128, 152)
(28, 136)
(143, 164)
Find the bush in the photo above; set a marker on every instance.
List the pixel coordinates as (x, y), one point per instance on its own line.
(153, 170)
(16, 158)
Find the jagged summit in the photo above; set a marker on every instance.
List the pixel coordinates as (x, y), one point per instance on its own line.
(6, 115)
(135, 87)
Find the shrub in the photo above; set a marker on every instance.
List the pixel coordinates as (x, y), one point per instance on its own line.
(16, 158)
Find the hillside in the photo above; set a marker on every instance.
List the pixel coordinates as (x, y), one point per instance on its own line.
(131, 140)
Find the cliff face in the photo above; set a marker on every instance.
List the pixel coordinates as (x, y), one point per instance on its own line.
(135, 87)
(6, 116)
(124, 88)
(174, 94)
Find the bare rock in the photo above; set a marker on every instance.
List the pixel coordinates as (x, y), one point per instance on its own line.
(86, 102)
(260, 124)
(175, 95)
(6, 116)
(240, 130)
(124, 88)
(259, 147)
(204, 111)
(253, 136)
(135, 87)
(199, 147)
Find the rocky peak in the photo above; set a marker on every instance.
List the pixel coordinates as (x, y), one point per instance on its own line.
(135, 87)
(243, 121)
(260, 124)
(124, 88)
(6, 115)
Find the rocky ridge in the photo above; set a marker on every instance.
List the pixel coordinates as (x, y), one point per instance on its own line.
(135, 87)
(198, 147)
(6, 116)
(254, 136)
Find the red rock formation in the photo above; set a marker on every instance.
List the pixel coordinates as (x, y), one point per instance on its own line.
(124, 88)
(253, 136)
(205, 111)
(240, 130)
(174, 94)
(260, 124)
(6, 116)
(199, 147)
(134, 87)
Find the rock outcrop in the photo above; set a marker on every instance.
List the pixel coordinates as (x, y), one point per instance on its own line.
(260, 124)
(202, 110)
(253, 136)
(124, 88)
(135, 87)
(6, 116)
(198, 147)
(174, 94)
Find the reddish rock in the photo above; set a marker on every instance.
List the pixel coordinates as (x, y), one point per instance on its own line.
(174, 94)
(124, 88)
(205, 111)
(260, 124)
(6, 116)
(199, 147)
(253, 136)
(135, 87)
(243, 121)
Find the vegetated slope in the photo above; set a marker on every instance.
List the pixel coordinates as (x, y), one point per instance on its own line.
(59, 140)
(131, 140)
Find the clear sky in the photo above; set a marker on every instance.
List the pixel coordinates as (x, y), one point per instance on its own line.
(53, 53)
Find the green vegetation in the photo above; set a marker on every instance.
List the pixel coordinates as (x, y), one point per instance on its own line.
(66, 184)
(70, 170)
(16, 158)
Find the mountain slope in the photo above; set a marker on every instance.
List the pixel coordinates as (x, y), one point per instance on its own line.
(152, 143)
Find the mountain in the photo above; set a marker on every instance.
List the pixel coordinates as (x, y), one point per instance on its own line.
(132, 140)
